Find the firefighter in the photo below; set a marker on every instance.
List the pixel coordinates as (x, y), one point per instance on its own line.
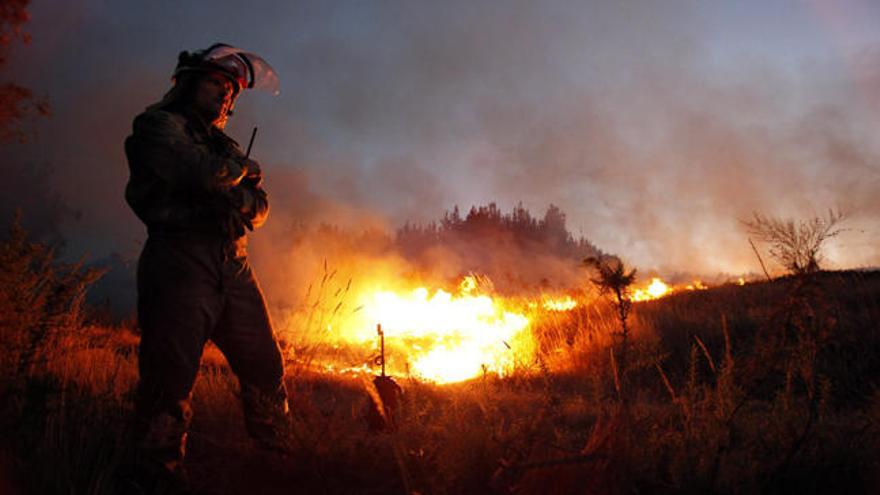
(198, 195)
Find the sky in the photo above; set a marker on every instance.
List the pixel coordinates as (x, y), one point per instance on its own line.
(655, 125)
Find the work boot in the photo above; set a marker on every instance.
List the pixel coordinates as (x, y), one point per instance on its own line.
(267, 419)
(160, 443)
(145, 477)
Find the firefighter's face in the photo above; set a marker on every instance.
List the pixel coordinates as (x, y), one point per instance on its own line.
(214, 97)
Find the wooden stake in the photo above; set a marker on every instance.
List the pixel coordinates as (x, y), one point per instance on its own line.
(760, 260)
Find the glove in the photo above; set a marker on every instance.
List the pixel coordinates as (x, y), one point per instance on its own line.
(253, 172)
(235, 225)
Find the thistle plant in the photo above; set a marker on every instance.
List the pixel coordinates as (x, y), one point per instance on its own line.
(612, 277)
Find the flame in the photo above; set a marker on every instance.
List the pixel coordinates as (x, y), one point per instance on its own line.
(564, 304)
(447, 337)
(468, 284)
(696, 285)
(451, 335)
(655, 290)
(658, 288)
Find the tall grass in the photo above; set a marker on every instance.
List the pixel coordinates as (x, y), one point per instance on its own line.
(771, 387)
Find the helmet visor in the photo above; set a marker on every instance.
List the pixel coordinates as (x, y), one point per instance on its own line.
(249, 70)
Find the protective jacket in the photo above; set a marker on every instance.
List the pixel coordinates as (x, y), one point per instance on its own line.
(187, 176)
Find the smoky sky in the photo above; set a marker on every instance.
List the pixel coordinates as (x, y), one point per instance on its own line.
(656, 126)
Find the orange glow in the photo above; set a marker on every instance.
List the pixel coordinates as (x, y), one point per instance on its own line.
(563, 304)
(655, 290)
(450, 334)
(697, 285)
(446, 337)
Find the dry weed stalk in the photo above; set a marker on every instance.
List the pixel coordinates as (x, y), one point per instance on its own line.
(309, 326)
(706, 353)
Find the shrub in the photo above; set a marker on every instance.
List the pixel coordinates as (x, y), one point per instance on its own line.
(39, 298)
(796, 245)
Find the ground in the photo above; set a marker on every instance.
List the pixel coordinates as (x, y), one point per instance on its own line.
(770, 387)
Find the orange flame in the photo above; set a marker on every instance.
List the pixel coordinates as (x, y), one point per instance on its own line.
(563, 304)
(451, 336)
(655, 290)
(447, 337)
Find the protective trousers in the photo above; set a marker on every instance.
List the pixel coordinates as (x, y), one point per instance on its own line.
(191, 289)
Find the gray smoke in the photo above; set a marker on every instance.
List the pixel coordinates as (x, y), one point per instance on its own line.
(655, 127)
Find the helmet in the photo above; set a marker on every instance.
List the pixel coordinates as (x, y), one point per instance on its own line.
(244, 69)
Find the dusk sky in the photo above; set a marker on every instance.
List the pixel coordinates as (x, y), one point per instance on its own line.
(655, 125)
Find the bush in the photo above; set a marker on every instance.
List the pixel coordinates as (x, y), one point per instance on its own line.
(40, 297)
(796, 245)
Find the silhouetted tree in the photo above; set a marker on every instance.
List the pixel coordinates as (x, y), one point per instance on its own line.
(487, 222)
(553, 227)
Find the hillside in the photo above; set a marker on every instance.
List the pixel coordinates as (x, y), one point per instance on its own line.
(763, 387)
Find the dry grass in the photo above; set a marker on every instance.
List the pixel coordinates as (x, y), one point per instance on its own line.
(771, 387)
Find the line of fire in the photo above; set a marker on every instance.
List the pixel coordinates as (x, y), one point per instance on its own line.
(447, 336)
(458, 328)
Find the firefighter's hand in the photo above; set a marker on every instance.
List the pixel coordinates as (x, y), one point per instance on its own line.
(252, 169)
(235, 224)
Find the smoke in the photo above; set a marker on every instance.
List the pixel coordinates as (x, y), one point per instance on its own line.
(619, 115)
(655, 128)
(315, 247)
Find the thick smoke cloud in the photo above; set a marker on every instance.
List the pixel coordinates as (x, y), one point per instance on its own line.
(654, 127)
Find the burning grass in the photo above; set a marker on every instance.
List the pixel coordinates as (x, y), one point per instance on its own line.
(443, 334)
(739, 388)
(439, 334)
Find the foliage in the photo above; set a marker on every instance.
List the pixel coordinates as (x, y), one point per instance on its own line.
(614, 278)
(16, 102)
(40, 297)
(796, 245)
(13, 17)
